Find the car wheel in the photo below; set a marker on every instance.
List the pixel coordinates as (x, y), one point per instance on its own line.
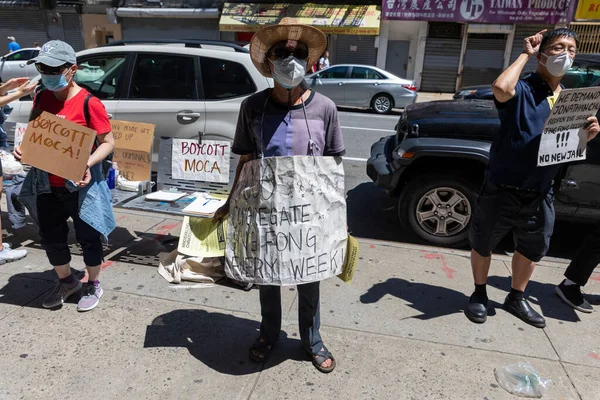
(382, 104)
(438, 208)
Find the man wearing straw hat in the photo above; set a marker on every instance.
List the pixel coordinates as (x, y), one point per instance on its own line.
(288, 120)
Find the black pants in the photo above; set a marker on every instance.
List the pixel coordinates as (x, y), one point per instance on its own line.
(309, 315)
(54, 209)
(586, 259)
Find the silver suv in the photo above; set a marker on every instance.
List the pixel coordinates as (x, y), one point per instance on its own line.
(185, 89)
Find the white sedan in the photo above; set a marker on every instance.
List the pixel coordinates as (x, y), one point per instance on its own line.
(14, 65)
(363, 86)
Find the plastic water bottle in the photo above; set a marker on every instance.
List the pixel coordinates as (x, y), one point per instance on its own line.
(110, 179)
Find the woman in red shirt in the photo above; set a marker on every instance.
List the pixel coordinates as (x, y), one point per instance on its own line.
(57, 63)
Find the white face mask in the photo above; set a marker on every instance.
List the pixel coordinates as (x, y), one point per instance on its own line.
(558, 65)
(289, 72)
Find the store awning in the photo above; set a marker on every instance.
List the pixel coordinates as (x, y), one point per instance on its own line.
(330, 18)
(136, 12)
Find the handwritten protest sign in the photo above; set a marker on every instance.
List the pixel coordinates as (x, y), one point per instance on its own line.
(133, 149)
(564, 138)
(287, 221)
(207, 161)
(58, 146)
(19, 133)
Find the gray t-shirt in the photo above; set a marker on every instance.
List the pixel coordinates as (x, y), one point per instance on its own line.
(285, 131)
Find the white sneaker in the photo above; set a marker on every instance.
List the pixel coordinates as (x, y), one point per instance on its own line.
(9, 255)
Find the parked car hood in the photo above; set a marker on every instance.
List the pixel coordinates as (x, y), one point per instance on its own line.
(464, 119)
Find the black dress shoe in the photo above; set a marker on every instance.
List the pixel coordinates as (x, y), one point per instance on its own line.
(522, 310)
(477, 309)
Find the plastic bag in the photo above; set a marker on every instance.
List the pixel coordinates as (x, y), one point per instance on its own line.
(10, 166)
(522, 380)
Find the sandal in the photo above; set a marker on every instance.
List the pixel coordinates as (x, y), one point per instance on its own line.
(322, 356)
(265, 348)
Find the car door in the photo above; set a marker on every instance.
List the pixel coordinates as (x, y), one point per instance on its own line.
(14, 65)
(331, 82)
(164, 91)
(103, 76)
(363, 84)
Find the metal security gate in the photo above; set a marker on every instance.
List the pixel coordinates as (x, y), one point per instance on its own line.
(169, 28)
(522, 32)
(484, 59)
(442, 56)
(27, 26)
(73, 30)
(354, 49)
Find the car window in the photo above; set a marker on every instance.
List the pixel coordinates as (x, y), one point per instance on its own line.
(581, 77)
(365, 73)
(101, 75)
(164, 77)
(22, 55)
(223, 79)
(334, 73)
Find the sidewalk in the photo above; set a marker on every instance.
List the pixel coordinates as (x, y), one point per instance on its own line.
(398, 332)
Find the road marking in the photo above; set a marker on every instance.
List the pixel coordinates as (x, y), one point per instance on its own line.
(367, 129)
(355, 159)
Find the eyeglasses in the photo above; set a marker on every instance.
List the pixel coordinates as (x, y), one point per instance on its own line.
(282, 52)
(48, 70)
(559, 48)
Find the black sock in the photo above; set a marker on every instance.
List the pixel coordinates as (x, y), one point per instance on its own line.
(516, 294)
(68, 279)
(481, 290)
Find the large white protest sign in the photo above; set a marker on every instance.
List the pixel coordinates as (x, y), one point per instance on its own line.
(207, 161)
(564, 138)
(287, 221)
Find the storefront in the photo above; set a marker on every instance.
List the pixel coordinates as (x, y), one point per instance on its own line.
(28, 23)
(168, 23)
(587, 26)
(470, 42)
(351, 30)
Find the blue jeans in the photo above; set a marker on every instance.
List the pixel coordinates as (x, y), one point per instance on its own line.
(309, 315)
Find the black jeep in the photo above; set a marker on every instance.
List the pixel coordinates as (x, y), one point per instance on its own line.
(435, 165)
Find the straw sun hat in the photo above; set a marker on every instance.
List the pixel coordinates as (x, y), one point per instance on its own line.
(265, 38)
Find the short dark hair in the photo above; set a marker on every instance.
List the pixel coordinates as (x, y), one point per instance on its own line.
(558, 33)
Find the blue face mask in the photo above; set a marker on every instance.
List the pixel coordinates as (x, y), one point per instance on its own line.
(54, 83)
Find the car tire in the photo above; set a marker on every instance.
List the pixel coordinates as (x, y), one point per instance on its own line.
(426, 220)
(382, 103)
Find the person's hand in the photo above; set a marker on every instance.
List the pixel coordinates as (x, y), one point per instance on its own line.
(87, 177)
(17, 153)
(221, 213)
(13, 84)
(592, 127)
(531, 45)
(27, 88)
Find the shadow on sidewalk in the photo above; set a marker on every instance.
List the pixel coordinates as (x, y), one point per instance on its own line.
(431, 301)
(220, 341)
(543, 295)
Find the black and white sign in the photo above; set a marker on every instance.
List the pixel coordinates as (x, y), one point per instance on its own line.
(565, 138)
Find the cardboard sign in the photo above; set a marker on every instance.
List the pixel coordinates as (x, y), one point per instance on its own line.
(564, 138)
(133, 149)
(207, 161)
(19, 133)
(57, 146)
(287, 221)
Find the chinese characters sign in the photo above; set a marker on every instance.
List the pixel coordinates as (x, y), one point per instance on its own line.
(478, 11)
(588, 10)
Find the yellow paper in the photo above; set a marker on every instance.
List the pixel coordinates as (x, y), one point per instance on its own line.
(351, 260)
(201, 238)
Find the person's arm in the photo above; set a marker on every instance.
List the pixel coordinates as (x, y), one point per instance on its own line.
(224, 210)
(504, 87)
(23, 88)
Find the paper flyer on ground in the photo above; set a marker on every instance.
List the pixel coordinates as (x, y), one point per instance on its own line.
(201, 238)
(564, 138)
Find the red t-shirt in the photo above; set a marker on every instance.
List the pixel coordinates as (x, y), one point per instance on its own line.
(72, 110)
